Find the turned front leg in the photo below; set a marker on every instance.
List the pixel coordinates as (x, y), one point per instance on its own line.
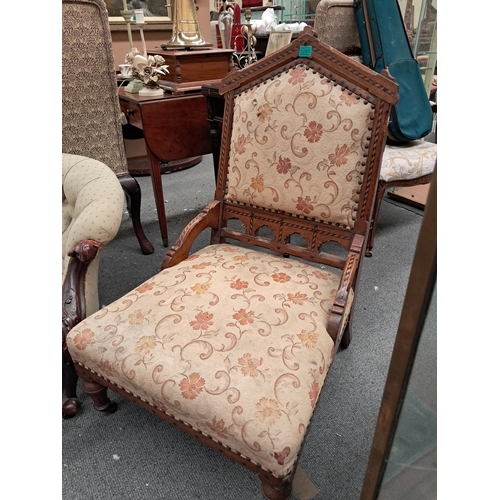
(99, 395)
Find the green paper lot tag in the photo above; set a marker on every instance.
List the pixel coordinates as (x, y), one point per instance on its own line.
(305, 51)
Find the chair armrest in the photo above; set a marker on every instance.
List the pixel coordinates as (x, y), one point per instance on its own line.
(73, 290)
(341, 307)
(208, 217)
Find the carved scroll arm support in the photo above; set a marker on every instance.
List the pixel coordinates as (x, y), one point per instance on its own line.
(73, 288)
(341, 309)
(207, 218)
(73, 311)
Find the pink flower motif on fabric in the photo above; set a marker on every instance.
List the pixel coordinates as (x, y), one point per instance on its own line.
(201, 265)
(243, 317)
(313, 393)
(202, 321)
(284, 165)
(298, 298)
(280, 277)
(192, 386)
(145, 287)
(267, 409)
(339, 158)
(297, 75)
(314, 132)
(239, 285)
(304, 204)
(349, 100)
(145, 344)
(258, 183)
(264, 113)
(83, 339)
(249, 365)
(138, 317)
(239, 144)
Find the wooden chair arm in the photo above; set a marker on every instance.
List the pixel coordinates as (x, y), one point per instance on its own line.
(73, 292)
(208, 217)
(339, 308)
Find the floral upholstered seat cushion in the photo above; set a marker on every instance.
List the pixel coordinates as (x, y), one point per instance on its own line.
(231, 341)
(289, 125)
(408, 161)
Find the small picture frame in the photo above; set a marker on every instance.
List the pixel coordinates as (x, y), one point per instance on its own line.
(278, 40)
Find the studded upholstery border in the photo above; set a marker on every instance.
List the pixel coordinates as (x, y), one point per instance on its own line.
(284, 126)
(91, 123)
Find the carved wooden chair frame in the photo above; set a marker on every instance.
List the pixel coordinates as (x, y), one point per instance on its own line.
(380, 91)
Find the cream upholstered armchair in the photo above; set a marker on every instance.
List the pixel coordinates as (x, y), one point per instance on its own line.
(232, 343)
(92, 206)
(91, 117)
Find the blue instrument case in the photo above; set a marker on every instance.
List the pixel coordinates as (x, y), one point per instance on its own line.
(385, 44)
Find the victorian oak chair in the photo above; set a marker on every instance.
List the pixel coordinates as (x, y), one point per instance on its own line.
(91, 117)
(232, 343)
(92, 207)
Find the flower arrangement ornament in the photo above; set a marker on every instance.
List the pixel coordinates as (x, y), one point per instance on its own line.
(147, 69)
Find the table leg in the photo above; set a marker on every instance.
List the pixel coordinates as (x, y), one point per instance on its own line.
(158, 193)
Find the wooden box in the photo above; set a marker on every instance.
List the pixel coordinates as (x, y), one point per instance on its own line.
(195, 65)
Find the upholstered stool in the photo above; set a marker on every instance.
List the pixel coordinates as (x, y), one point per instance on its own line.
(403, 165)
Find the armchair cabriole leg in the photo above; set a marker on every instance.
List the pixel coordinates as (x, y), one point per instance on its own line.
(133, 196)
(99, 395)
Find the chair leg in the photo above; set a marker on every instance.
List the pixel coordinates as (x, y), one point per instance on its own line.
(99, 395)
(70, 379)
(133, 195)
(378, 203)
(277, 489)
(347, 335)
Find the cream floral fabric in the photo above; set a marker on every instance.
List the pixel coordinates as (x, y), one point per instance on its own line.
(231, 341)
(408, 161)
(92, 207)
(288, 124)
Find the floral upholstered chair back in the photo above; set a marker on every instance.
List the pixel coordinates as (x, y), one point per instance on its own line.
(299, 144)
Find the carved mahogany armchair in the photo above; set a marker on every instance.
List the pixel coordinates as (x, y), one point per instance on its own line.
(91, 117)
(92, 207)
(232, 343)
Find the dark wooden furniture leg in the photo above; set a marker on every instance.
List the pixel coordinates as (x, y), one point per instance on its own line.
(99, 395)
(158, 193)
(376, 210)
(133, 195)
(277, 489)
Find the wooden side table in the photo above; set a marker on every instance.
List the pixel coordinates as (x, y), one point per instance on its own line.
(175, 127)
